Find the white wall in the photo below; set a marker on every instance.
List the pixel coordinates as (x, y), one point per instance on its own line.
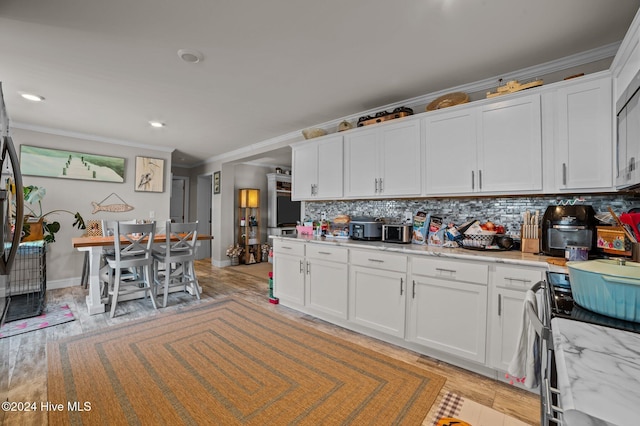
(64, 263)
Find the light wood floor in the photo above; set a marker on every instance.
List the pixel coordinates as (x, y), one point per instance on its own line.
(28, 363)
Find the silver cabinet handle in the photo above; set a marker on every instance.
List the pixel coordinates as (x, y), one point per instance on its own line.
(522, 280)
(376, 185)
(413, 296)
(401, 290)
(564, 173)
(381, 187)
(285, 247)
(301, 269)
(324, 252)
(499, 304)
(473, 180)
(308, 268)
(453, 271)
(376, 260)
(480, 180)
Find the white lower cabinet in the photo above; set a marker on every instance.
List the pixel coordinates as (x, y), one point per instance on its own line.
(326, 283)
(466, 312)
(377, 291)
(448, 306)
(509, 285)
(289, 272)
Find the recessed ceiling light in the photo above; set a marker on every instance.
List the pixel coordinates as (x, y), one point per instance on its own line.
(32, 97)
(157, 124)
(191, 56)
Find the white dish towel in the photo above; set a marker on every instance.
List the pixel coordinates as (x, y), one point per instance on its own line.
(526, 359)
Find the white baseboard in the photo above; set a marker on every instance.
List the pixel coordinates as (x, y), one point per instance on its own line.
(64, 283)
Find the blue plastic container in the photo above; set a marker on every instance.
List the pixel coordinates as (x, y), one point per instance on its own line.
(607, 287)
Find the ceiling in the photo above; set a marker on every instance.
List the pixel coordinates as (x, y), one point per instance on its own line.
(269, 68)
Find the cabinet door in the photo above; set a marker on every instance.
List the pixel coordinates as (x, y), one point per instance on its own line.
(510, 146)
(377, 299)
(288, 272)
(450, 145)
(330, 168)
(361, 173)
(584, 136)
(510, 284)
(623, 169)
(449, 316)
(304, 168)
(633, 138)
(401, 159)
(327, 287)
(506, 321)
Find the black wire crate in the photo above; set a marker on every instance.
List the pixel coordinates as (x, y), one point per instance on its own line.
(27, 283)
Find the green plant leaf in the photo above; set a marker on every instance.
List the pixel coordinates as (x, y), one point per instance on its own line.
(34, 194)
(79, 222)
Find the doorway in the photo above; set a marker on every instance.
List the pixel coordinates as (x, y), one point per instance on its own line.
(204, 213)
(179, 202)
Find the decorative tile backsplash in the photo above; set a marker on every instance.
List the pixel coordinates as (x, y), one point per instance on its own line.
(506, 211)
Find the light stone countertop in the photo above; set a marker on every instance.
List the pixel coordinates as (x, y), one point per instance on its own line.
(513, 257)
(598, 373)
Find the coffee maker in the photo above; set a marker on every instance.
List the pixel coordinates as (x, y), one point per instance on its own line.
(564, 226)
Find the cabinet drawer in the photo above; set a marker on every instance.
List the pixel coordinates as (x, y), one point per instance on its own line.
(288, 247)
(376, 259)
(457, 270)
(326, 252)
(519, 278)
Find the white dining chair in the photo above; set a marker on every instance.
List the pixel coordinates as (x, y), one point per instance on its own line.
(177, 255)
(133, 250)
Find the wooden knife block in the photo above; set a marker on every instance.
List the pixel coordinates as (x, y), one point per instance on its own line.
(530, 245)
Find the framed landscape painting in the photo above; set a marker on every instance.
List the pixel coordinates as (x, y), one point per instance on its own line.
(149, 174)
(58, 163)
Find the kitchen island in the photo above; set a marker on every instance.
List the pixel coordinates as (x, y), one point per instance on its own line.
(598, 371)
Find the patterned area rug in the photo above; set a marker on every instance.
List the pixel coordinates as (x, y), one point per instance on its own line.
(52, 315)
(231, 362)
(456, 409)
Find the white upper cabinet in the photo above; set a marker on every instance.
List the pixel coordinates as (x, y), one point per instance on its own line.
(495, 147)
(317, 169)
(384, 161)
(451, 152)
(583, 149)
(510, 146)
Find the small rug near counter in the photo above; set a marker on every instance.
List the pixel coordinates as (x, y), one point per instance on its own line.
(231, 362)
(458, 407)
(52, 315)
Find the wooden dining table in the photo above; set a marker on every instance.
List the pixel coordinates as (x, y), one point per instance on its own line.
(94, 246)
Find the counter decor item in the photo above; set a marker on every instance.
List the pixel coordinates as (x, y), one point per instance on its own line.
(344, 125)
(608, 287)
(420, 227)
(448, 100)
(513, 86)
(313, 133)
(381, 116)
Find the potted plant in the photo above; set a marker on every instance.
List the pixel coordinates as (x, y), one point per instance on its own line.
(234, 252)
(36, 224)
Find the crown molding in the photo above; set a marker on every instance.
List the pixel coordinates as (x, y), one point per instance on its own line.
(594, 55)
(86, 136)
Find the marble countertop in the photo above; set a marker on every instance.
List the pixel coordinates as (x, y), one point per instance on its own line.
(598, 373)
(514, 257)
